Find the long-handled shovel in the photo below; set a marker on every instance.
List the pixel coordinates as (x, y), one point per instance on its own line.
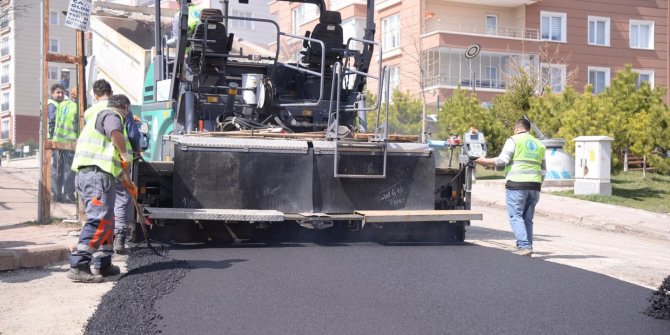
(132, 190)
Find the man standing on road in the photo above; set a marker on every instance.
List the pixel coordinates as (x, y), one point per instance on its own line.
(102, 155)
(102, 91)
(65, 130)
(523, 156)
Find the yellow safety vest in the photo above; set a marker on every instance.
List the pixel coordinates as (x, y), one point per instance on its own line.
(526, 165)
(66, 128)
(96, 149)
(92, 111)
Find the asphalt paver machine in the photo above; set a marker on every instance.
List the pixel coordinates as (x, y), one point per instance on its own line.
(256, 147)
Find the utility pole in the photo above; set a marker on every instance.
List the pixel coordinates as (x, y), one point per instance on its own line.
(47, 146)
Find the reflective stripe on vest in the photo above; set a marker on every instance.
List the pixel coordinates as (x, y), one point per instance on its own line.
(92, 111)
(96, 149)
(66, 127)
(526, 165)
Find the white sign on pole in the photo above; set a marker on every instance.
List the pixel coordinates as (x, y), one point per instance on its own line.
(79, 14)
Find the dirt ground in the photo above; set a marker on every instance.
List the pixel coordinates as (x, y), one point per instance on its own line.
(44, 301)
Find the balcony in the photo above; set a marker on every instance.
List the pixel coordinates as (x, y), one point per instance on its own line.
(447, 68)
(441, 25)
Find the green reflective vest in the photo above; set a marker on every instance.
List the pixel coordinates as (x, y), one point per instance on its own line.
(526, 165)
(66, 128)
(92, 111)
(193, 18)
(96, 149)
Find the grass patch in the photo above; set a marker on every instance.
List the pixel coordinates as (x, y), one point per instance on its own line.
(630, 189)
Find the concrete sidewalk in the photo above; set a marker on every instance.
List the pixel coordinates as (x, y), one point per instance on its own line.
(491, 193)
(24, 245)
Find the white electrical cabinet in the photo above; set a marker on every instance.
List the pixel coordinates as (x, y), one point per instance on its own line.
(593, 162)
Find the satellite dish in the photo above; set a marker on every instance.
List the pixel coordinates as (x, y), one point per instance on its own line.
(472, 51)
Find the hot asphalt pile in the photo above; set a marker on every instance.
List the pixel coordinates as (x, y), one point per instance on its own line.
(129, 307)
(660, 301)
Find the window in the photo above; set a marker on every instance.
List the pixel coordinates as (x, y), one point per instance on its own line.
(4, 132)
(552, 26)
(4, 46)
(599, 30)
(391, 32)
(53, 18)
(641, 34)
(644, 76)
(491, 25)
(353, 27)
(54, 45)
(393, 81)
(553, 75)
(4, 75)
(4, 104)
(599, 78)
(53, 73)
(311, 12)
(242, 24)
(4, 21)
(297, 16)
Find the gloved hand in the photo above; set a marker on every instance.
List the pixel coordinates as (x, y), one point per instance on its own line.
(126, 160)
(129, 185)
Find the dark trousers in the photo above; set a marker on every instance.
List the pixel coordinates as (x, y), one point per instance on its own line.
(62, 176)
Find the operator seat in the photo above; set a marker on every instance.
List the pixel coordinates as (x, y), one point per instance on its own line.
(218, 41)
(329, 31)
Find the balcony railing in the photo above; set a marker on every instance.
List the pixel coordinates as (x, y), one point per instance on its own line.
(455, 81)
(506, 32)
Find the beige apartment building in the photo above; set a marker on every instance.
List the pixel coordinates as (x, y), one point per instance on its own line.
(21, 65)
(566, 42)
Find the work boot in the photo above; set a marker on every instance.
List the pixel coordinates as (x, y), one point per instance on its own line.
(120, 244)
(110, 270)
(523, 252)
(84, 275)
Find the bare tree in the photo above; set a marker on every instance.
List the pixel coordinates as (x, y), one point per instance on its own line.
(416, 56)
(12, 9)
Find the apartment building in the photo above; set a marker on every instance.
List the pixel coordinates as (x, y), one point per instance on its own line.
(21, 65)
(565, 42)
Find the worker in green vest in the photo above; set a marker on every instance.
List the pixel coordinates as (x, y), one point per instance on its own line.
(102, 90)
(65, 130)
(523, 156)
(57, 96)
(193, 20)
(101, 157)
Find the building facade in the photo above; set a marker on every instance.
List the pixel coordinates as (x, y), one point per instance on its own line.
(564, 42)
(21, 66)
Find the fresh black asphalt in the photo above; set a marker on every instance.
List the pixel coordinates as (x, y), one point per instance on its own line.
(370, 288)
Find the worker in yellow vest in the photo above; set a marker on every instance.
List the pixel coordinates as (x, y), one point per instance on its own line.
(102, 90)
(523, 156)
(101, 157)
(65, 130)
(57, 96)
(193, 20)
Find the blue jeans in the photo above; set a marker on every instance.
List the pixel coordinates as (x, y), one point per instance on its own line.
(521, 209)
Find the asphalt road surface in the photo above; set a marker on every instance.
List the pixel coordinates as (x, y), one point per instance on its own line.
(370, 288)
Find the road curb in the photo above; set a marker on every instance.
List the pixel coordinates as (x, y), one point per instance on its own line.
(32, 257)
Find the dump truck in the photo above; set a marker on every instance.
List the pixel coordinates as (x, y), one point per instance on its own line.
(245, 146)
